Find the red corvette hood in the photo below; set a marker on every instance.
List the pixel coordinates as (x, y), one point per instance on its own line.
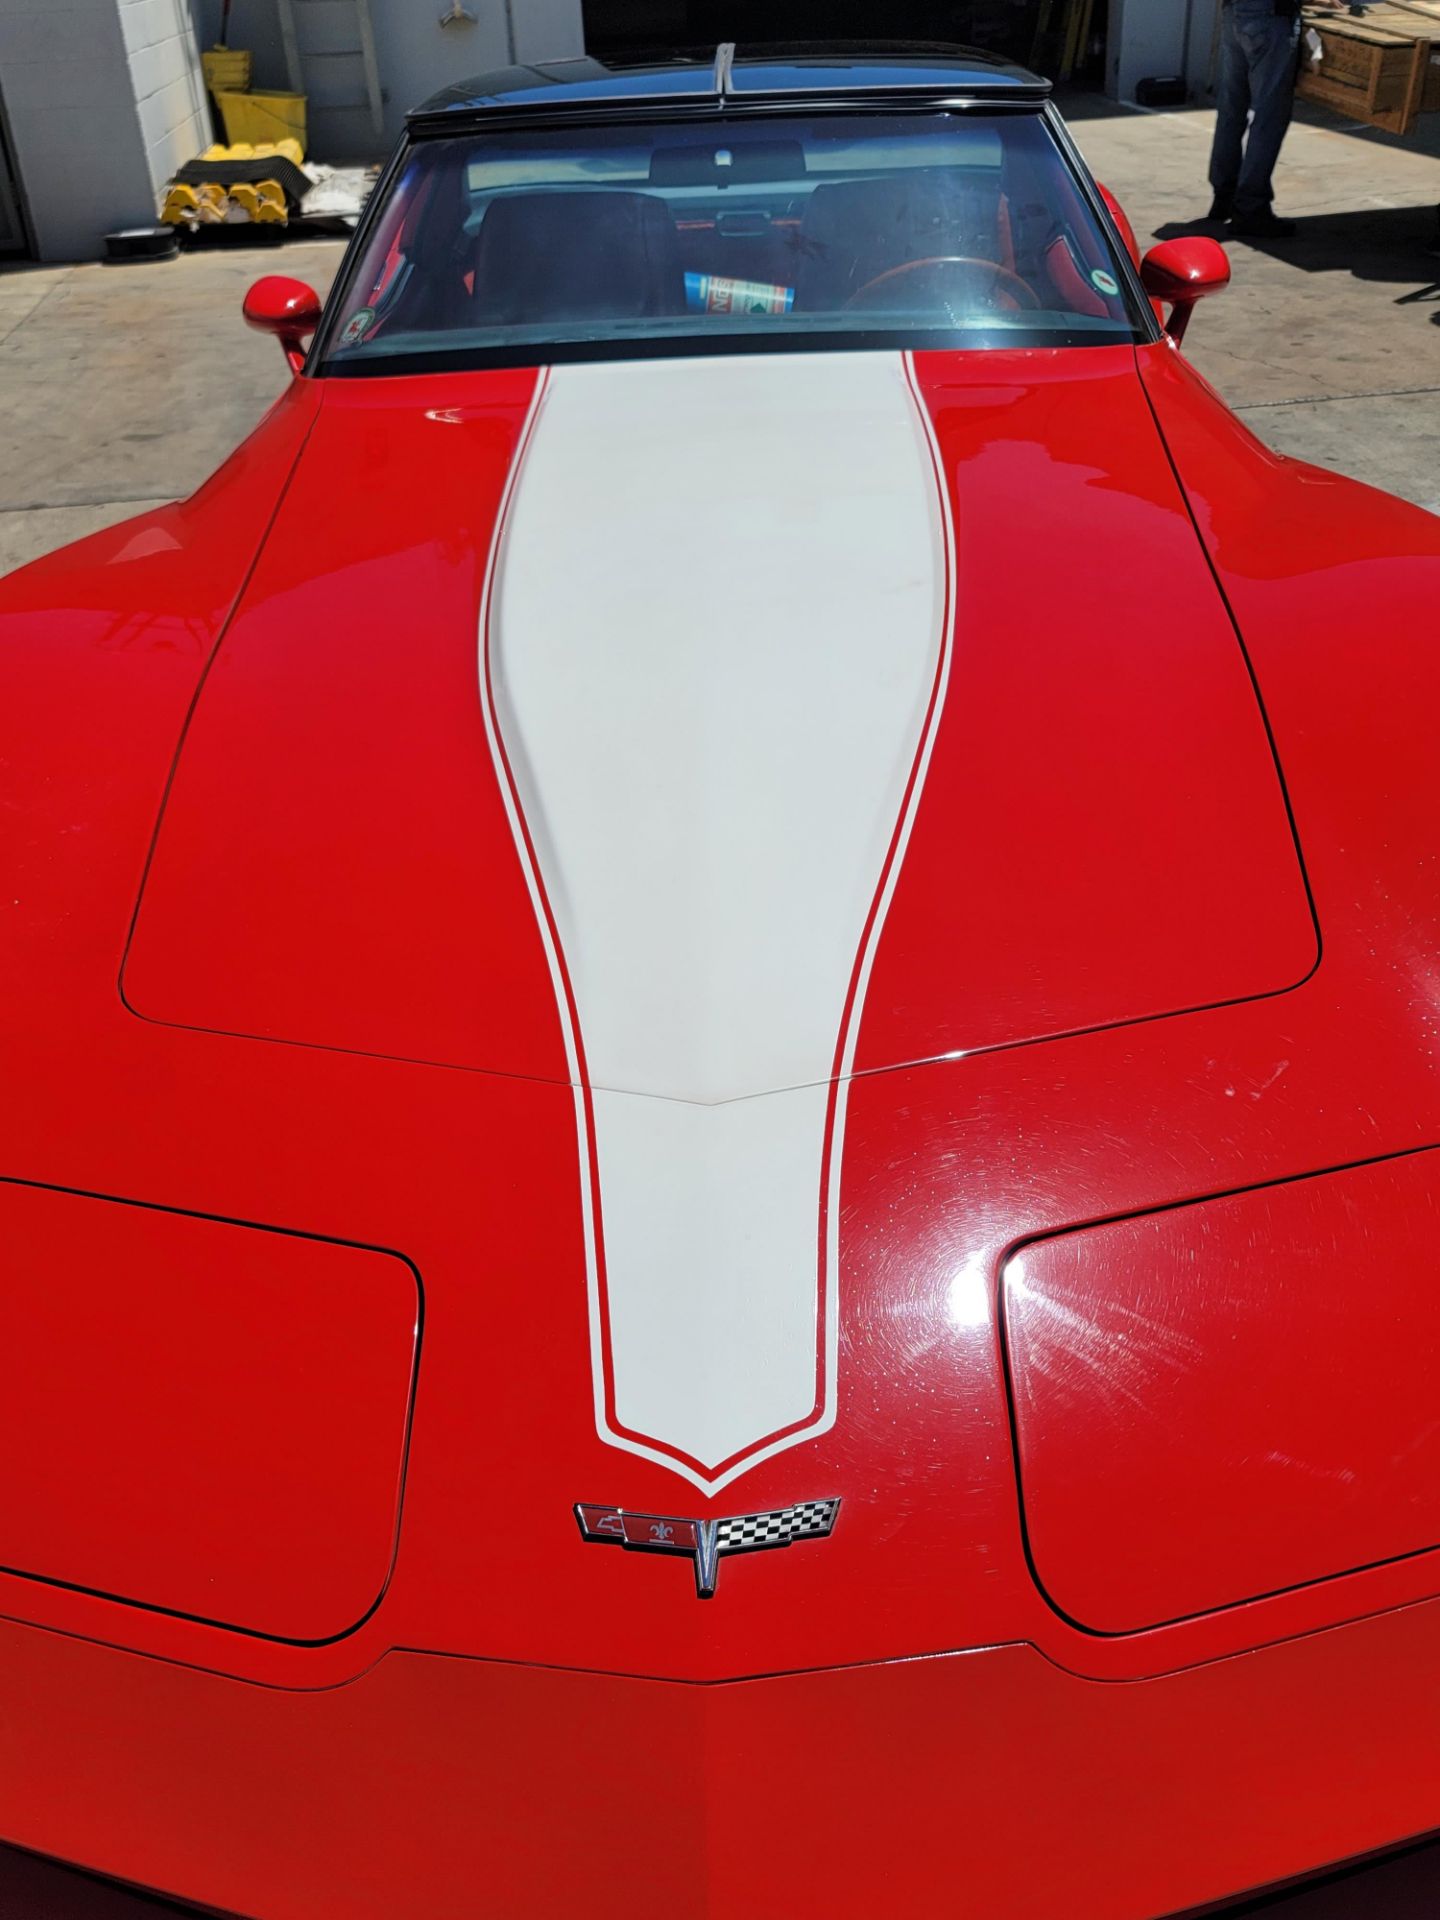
(689, 732)
(814, 712)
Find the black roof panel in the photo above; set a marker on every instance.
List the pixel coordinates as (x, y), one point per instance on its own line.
(756, 73)
(570, 83)
(875, 67)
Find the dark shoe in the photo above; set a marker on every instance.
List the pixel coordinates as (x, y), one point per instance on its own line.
(1221, 207)
(1263, 225)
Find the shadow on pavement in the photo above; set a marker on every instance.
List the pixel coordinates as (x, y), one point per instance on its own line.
(36, 1889)
(1423, 137)
(1183, 229)
(1079, 103)
(1398, 245)
(1403, 1886)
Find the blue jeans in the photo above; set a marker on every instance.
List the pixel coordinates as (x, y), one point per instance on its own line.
(1259, 60)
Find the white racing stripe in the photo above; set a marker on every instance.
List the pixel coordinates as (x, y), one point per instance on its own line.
(713, 641)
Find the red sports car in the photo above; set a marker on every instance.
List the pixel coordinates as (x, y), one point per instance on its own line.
(721, 1042)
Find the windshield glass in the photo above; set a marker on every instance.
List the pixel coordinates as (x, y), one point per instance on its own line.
(953, 229)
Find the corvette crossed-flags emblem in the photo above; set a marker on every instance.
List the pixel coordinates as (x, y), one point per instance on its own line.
(706, 1540)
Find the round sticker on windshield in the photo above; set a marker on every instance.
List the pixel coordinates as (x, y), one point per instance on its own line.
(357, 326)
(1104, 282)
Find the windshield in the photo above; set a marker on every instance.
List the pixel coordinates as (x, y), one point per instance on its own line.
(921, 229)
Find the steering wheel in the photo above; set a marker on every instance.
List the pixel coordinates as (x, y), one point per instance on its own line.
(1020, 290)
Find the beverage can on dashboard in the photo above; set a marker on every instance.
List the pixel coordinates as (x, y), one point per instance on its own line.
(716, 293)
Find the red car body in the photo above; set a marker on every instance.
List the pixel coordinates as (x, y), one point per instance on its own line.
(1124, 1329)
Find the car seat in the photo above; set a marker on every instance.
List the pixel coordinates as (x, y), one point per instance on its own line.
(553, 256)
(854, 230)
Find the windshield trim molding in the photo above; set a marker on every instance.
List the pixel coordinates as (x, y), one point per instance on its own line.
(450, 121)
(461, 360)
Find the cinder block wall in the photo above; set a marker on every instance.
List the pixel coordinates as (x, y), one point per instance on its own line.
(102, 101)
(415, 54)
(168, 88)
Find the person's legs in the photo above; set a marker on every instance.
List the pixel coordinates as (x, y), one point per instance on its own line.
(1232, 110)
(1272, 53)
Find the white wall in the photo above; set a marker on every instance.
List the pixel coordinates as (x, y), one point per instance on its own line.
(416, 55)
(167, 84)
(1151, 38)
(547, 29)
(82, 154)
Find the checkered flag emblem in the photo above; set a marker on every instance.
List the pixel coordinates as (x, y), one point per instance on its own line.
(812, 1519)
(706, 1540)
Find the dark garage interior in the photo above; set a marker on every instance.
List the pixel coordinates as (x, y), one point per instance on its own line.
(1033, 32)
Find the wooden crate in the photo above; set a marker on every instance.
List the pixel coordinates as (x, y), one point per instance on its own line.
(1428, 21)
(1422, 18)
(1383, 69)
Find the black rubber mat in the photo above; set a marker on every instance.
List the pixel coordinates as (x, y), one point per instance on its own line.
(233, 173)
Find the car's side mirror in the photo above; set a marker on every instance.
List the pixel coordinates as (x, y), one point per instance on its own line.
(1180, 272)
(288, 309)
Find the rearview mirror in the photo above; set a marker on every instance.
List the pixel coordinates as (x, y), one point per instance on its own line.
(1180, 272)
(288, 309)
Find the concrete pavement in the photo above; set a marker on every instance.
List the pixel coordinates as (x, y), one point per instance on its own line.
(123, 387)
(1328, 345)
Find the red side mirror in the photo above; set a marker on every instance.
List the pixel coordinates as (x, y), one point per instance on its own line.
(1180, 272)
(288, 309)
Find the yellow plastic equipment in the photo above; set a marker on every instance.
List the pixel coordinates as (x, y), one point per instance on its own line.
(265, 202)
(257, 117)
(272, 205)
(265, 150)
(181, 207)
(227, 69)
